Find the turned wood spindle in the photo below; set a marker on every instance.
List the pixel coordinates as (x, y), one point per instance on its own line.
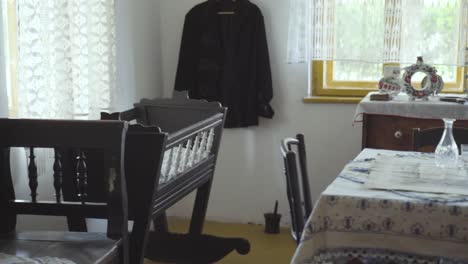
(32, 174)
(175, 161)
(81, 176)
(193, 151)
(178, 159)
(58, 175)
(202, 148)
(167, 169)
(182, 158)
(209, 142)
(186, 155)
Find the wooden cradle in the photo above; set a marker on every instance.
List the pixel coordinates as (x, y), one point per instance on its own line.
(172, 152)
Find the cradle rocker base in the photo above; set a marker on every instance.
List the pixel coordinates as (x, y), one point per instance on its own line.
(194, 249)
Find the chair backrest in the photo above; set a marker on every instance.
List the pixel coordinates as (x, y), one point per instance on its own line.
(297, 181)
(426, 140)
(144, 150)
(106, 136)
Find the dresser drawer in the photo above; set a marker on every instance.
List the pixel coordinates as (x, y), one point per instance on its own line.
(394, 132)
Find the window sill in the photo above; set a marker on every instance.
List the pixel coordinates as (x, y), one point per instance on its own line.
(331, 100)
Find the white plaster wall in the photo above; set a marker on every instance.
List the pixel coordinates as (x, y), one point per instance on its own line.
(249, 173)
(138, 51)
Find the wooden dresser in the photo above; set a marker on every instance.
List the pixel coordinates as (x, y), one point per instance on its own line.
(395, 132)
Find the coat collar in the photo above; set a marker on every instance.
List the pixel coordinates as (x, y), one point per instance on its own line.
(212, 19)
(241, 7)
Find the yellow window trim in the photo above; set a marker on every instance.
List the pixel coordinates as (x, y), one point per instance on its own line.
(327, 90)
(332, 99)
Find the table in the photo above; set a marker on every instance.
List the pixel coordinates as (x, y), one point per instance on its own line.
(377, 226)
(390, 124)
(433, 108)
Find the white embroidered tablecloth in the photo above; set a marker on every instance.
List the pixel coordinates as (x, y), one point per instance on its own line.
(401, 106)
(8, 259)
(381, 227)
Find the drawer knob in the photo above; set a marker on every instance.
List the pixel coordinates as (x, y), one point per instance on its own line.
(398, 134)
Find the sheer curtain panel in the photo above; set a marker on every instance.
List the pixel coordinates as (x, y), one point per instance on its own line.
(66, 65)
(378, 31)
(66, 58)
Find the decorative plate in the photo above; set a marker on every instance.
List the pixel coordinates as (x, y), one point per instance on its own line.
(431, 84)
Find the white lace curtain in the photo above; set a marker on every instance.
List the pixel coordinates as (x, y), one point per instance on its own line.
(66, 66)
(66, 58)
(378, 31)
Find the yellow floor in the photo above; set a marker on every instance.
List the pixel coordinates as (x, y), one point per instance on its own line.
(265, 248)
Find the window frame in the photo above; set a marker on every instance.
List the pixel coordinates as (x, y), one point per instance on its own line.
(323, 89)
(12, 61)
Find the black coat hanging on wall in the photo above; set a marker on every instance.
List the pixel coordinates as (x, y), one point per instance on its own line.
(224, 57)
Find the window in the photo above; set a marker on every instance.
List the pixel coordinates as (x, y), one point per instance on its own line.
(360, 46)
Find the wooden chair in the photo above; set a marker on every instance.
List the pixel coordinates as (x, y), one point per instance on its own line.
(143, 158)
(61, 135)
(297, 181)
(426, 140)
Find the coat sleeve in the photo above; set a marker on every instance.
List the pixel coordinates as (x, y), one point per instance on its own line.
(187, 56)
(263, 71)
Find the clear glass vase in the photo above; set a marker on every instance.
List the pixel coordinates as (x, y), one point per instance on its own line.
(446, 153)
